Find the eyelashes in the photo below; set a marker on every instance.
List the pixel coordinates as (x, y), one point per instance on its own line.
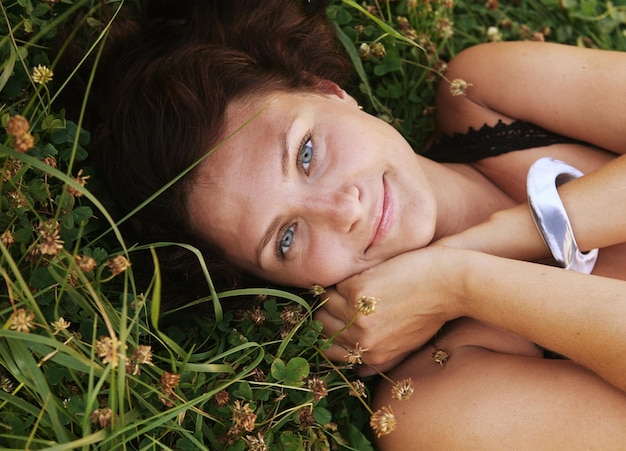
(304, 158)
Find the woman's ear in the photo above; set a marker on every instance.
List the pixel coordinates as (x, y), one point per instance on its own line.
(332, 89)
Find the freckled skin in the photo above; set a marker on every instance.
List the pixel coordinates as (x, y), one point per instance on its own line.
(335, 202)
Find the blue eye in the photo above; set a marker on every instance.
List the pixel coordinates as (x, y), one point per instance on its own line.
(305, 156)
(286, 240)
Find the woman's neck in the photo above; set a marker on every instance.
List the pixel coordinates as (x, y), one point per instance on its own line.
(464, 197)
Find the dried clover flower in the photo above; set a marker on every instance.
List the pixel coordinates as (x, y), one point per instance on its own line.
(243, 417)
(291, 315)
(11, 168)
(6, 384)
(445, 27)
(51, 243)
(378, 50)
(118, 264)
(317, 387)
(16, 199)
(258, 375)
(403, 389)
(458, 86)
(7, 238)
(42, 74)
(306, 418)
(60, 325)
(143, 355)
(102, 417)
(366, 304)
(256, 315)
(85, 263)
(357, 388)
(168, 382)
(79, 179)
(22, 320)
(222, 398)
(365, 51)
(256, 442)
(440, 356)
(50, 161)
(317, 290)
(17, 126)
(354, 355)
(108, 349)
(383, 421)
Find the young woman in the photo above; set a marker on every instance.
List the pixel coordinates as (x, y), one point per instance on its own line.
(294, 184)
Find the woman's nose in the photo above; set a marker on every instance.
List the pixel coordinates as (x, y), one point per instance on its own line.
(336, 208)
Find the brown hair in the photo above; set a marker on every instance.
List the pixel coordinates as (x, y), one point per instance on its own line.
(162, 94)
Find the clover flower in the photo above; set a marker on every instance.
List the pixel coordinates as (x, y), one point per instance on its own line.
(7, 238)
(85, 263)
(366, 304)
(81, 180)
(378, 50)
(222, 398)
(51, 243)
(440, 356)
(493, 34)
(317, 290)
(365, 51)
(243, 418)
(383, 421)
(50, 161)
(306, 417)
(256, 442)
(11, 168)
(402, 390)
(118, 264)
(102, 417)
(168, 382)
(256, 315)
(354, 355)
(141, 356)
(19, 128)
(458, 87)
(22, 320)
(317, 387)
(357, 388)
(42, 74)
(108, 349)
(60, 325)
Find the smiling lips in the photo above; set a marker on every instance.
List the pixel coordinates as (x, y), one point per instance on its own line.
(386, 218)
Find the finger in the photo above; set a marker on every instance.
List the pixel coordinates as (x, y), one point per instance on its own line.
(334, 328)
(336, 353)
(337, 306)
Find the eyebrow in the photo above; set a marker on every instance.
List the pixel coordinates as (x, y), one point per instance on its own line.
(284, 164)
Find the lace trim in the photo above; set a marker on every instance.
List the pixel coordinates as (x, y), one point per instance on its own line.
(492, 141)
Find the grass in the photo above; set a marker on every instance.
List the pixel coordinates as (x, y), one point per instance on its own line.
(87, 361)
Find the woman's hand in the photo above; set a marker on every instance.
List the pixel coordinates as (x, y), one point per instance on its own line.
(417, 293)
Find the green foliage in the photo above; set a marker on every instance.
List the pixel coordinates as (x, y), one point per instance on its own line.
(87, 361)
(419, 37)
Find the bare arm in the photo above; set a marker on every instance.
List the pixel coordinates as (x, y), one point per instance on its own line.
(569, 90)
(580, 316)
(595, 204)
(490, 400)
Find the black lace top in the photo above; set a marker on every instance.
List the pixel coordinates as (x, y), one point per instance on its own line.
(492, 141)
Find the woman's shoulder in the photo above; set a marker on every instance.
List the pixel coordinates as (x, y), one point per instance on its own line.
(493, 388)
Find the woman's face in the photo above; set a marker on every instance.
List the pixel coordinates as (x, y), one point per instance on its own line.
(312, 190)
